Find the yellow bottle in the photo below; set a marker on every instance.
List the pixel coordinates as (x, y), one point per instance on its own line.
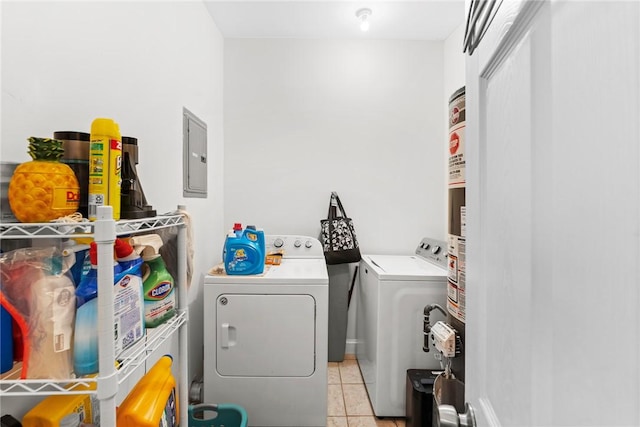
(50, 411)
(105, 166)
(153, 401)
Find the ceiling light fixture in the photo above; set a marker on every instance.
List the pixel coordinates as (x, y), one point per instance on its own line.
(363, 15)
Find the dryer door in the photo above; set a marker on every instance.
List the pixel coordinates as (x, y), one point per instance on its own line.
(265, 335)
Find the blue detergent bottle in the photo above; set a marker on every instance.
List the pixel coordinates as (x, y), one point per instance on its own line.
(244, 253)
(6, 341)
(85, 337)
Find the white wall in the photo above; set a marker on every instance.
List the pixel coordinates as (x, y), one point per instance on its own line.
(66, 63)
(454, 79)
(454, 65)
(363, 118)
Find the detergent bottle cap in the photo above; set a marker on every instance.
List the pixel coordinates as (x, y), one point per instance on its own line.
(93, 254)
(124, 251)
(93, 257)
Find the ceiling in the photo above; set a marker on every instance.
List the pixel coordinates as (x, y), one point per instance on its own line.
(400, 20)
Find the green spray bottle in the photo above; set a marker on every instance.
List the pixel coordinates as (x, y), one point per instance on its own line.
(157, 283)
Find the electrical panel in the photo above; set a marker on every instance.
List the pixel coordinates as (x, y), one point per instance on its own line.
(195, 156)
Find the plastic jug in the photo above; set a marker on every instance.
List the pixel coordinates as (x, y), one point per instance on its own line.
(158, 284)
(159, 293)
(153, 401)
(128, 311)
(57, 410)
(244, 253)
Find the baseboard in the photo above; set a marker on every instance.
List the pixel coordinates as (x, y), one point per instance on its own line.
(350, 347)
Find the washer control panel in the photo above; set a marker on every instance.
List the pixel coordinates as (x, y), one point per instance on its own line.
(433, 250)
(294, 246)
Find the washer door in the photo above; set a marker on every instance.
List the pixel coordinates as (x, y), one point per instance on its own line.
(265, 335)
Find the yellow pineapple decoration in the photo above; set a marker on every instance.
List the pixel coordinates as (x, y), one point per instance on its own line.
(43, 189)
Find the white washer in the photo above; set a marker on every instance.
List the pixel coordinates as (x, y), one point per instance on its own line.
(265, 337)
(393, 291)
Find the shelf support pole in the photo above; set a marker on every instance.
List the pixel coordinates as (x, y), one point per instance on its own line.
(105, 235)
(183, 304)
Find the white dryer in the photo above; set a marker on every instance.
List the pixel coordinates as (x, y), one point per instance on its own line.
(393, 291)
(265, 337)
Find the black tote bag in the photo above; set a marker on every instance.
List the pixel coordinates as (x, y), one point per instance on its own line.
(338, 236)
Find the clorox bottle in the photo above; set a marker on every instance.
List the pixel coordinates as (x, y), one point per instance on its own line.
(85, 337)
(158, 284)
(244, 253)
(128, 312)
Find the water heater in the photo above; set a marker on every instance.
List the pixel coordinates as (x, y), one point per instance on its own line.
(456, 296)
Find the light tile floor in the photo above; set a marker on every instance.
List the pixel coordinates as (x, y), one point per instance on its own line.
(349, 404)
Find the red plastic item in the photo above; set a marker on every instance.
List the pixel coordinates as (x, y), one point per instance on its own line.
(124, 251)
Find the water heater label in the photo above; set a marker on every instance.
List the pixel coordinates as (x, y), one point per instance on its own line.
(457, 162)
(456, 297)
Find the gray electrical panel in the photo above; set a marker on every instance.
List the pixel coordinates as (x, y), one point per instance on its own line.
(195, 156)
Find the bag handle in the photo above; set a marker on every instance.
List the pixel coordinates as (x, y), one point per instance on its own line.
(333, 213)
(353, 282)
(332, 209)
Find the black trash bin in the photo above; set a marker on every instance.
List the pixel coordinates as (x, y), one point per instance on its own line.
(339, 276)
(419, 399)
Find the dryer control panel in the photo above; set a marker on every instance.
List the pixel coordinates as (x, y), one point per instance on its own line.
(293, 246)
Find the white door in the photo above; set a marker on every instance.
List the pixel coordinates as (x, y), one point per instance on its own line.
(553, 216)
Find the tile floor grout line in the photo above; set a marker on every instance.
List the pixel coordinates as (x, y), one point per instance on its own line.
(393, 421)
(344, 400)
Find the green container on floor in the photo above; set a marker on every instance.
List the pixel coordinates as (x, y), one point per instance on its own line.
(224, 414)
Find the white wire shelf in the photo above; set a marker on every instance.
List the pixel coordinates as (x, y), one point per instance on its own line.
(132, 358)
(47, 230)
(140, 352)
(13, 387)
(128, 362)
